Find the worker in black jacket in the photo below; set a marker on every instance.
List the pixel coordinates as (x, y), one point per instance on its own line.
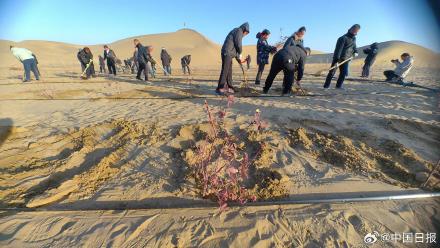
(371, 53)
(85, 57)
(143, 57)
(289, 59)
(345, 49)
(296, 38)
(263, 51)
(185, 61)
(110, 57)
(231, 48)
(166, 61)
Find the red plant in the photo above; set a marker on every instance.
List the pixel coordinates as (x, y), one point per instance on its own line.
(221, 167)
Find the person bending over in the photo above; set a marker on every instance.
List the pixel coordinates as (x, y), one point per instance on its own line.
(289, 59)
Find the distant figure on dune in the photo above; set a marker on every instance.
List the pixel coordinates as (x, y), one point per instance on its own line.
(151, 65)
(102, 64)
(289, 59)
(345, 50)
(110, 57)
(135, 64)
(28, 59)
(263, 51)
(85, 57)
(402, 68)
(143, 57)
(166, 61)
(185, 61)
(371, 53)
(232, 48)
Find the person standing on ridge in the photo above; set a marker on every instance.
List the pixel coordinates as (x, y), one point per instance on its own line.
(232, 48)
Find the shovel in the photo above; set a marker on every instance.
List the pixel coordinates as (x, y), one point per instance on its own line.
(87, 67)
(317, 74)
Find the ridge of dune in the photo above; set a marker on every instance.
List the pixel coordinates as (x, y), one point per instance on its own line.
(204, 51)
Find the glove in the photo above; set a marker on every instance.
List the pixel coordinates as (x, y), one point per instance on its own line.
(239, 57)
(355, 55)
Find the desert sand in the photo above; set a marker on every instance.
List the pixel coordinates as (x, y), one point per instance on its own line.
(107, 161)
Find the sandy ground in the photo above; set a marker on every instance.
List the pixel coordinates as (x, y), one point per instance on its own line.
(115, 142)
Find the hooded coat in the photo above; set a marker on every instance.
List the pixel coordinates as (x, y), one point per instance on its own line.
(371, 53)
(142, 54)
(185, 60)
(291, 57)
(165, 57)
(345, 47)
(292, 42)
(232, 46)
(263, 50)
(84, 57)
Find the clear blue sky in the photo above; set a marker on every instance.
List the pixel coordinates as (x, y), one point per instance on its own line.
(96, 21)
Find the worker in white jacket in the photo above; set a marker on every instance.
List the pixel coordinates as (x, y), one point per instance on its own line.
(28, 59)
(402, 68)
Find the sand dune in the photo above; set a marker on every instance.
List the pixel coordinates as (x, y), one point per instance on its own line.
(204, 51)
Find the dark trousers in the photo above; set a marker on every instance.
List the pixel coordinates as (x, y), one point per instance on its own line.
(142, 67)
(111, 67)
(30, 65)
(102, 68)
(167, 69)
(289, 73)
(90, 71)
(259, 73)
(366, 70)
(226, 73)
(343, 71)
(390, 75)
(185, 69)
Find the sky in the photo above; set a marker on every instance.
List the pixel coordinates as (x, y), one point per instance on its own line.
(89, 22)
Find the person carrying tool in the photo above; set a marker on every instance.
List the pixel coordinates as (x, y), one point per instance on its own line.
(345, 51)
(232, 48)
(28, 59)
(263, 51)
(166, 61)
(289, 59)
(402, 68)
(143, 57)
(371, 53)
(85, 57)
(185, 61)
(110, 56)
